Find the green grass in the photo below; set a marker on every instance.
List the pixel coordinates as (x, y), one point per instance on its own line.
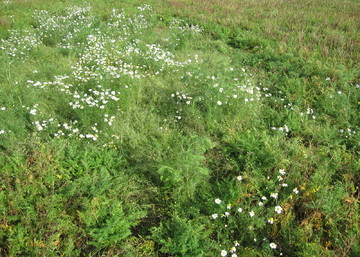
(183, 128)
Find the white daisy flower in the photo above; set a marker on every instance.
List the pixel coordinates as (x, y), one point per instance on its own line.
(278, 209)
(274, 195)
(273, 245)
(223, 253)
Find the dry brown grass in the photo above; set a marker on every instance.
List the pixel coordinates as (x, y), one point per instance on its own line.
(4, 23)
(329, 27)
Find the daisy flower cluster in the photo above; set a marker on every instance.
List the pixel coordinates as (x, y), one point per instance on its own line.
(130, 25)
(80, 100)
(285, 129)
(215, 91)
(101, 59)
(348, 132)
(234, 87)
(63, 30)
(108, 60)
(19, 44)
(252, 215)
(3, 110)
(114, 57)
(181, 98)
(181, 25)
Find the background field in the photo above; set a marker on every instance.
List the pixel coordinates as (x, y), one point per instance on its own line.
(179, 128)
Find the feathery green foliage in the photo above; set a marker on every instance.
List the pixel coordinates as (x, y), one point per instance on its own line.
(179, 128)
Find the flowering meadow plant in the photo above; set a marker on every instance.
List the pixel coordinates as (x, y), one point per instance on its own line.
(251, 222)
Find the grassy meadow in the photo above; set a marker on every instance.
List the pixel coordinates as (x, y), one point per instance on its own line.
(179, 128)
